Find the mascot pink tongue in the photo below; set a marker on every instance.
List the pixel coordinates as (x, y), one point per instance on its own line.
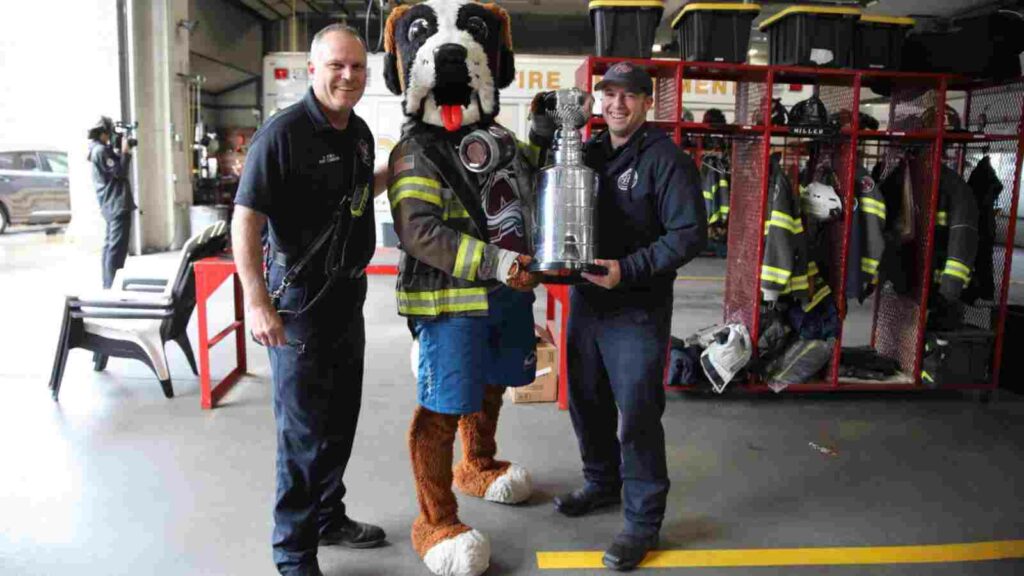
(451, 115)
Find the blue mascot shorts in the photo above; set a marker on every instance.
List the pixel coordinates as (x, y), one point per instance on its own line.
(460, 356)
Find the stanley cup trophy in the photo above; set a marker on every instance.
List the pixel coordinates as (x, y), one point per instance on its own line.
(565, 226)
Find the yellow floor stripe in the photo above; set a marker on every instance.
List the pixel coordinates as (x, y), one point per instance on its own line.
(701, 278)
(980, 551)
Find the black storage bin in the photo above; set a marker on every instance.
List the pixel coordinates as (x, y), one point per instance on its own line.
(715, 32)
(878, 44)
(1011, 369)
(957, 357)
(625, 28)
(811, 36)
(980, 47)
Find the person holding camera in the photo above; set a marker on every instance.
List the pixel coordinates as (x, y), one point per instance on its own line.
(110, 176)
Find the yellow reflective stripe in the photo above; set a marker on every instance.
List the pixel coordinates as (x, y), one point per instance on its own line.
(873, 203)
(708, 195)
(478, 256)
(714, 218)
(724, 209)
(798, 283)
(869, 265)
(432, 303)
(941, 219)
(467, 260)
(429, 197)
(786, 222)
(926, 376)
(417, 181)
(818, 297)
(723, 183)
(812, 268)
(957, 269)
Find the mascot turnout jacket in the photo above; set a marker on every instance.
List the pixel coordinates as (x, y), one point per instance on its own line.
(714, 178)
(447, 264)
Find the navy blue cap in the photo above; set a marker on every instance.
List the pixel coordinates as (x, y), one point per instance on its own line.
(628, 75)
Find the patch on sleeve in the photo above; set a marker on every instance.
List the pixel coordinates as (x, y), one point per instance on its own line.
(404, 164)
(110, 162)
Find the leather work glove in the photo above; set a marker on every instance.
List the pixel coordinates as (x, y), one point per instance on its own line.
(541, 125)
(513, 272)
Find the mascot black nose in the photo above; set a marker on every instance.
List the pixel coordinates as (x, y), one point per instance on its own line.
(450, 54)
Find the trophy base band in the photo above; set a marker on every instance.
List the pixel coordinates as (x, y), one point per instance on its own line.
(565, 272)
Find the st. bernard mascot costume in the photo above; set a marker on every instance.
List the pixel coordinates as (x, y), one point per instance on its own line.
(463, 282)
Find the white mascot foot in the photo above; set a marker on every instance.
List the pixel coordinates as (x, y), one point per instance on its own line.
(512, 487)
(468, 554)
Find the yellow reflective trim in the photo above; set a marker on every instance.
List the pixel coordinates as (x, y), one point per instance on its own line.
(869, 264)
(872, 202)
(428, 197)
(708, 195)
(460, 258)
(958, 265)
(724, 209)
(874, 212)
(926, 376)
(723, 183)
(446, 293)
(772, 271)
(818, 297)
(478, 256)
(417, 181)
(812, 268)
(714, 218)
(781, 220)
(941, 219)
(957, 274)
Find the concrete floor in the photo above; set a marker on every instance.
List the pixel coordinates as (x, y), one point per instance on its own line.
(115, 479)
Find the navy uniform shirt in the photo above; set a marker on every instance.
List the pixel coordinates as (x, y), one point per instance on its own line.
(298, 170)
(650, 215)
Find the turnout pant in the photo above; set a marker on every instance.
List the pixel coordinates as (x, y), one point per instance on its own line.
(616, 362)
(115, 245)
(318, 380)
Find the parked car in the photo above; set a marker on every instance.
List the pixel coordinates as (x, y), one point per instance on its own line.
(33, 187)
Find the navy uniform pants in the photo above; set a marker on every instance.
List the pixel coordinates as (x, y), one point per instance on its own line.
(318, 382)
(616, 362)
(115, 245)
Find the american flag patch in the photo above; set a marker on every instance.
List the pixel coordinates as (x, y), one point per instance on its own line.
(405, 164)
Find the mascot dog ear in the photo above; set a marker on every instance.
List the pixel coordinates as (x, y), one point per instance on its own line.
(394, 77)
(506, 71)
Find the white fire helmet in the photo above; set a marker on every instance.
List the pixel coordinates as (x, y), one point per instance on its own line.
(821, 202)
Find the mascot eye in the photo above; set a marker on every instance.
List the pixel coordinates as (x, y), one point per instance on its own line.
(476, 26)
(419, 30)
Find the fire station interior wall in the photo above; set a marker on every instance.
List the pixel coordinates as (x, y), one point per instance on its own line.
(55, 90)
(227, 48)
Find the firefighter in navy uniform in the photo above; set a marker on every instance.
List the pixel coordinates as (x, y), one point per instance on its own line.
(651, 221)
(309, 178)
(111, 177)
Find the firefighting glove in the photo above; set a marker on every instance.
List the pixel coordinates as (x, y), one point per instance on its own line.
(542, 127)
(512, 271)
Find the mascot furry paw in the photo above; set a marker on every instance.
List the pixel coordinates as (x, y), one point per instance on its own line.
(463, 279)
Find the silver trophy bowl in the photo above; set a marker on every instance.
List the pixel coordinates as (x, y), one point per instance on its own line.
(565, 224)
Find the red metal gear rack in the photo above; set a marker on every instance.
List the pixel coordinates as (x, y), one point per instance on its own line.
(993, 121)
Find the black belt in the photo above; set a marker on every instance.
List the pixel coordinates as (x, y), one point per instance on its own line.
(281, 259)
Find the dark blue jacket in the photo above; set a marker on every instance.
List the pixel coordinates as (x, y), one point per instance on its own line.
(651, 216)
(111, 176)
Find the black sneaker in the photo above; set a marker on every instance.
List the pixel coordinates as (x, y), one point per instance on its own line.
(354, 534)
(583, 501)
(628, 551)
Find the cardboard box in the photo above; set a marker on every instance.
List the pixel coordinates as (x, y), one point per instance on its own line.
(544, 387)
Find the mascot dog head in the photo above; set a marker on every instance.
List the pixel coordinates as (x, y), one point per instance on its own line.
(449, 58)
